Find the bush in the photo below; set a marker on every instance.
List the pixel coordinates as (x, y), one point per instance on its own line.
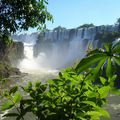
(74, 95)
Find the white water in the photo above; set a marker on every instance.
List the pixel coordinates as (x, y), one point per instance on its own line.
(58, 58)
(31, 64)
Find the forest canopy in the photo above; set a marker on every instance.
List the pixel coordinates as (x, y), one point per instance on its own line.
(22, 14)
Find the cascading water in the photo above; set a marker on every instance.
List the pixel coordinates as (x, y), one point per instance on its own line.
(31, 64)
(58, 48)
(28, 62)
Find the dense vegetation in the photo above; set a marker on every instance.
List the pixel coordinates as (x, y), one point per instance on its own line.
(86, 26)
(22, 14)
(107, 37)
(74, 95)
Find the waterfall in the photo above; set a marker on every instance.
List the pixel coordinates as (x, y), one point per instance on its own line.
(34, 65)
(58, 48)
(28, 62)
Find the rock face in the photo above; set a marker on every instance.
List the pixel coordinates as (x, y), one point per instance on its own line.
(8, 53)
(7, 70)
(16, 53)
(3, 51)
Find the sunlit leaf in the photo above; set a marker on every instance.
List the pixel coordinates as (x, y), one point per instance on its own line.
(103, 80)
(94, 113)
(17, 97)
(104, 91)
(90, 103)
(109, 68)
(7, 105)
(88, 62)
(103, 112)
(91, 94)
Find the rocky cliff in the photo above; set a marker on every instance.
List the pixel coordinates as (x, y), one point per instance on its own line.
(16, 53)
(9, 53)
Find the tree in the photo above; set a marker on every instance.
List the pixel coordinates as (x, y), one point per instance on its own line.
(118, 24)
(118, 21)
(22, 14)
(108, 57)
(86, 26)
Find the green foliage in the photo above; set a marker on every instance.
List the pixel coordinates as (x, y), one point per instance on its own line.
(6, 40)
(107, 37)
(118, 24)
(22, 14)
(69, 97)
(74, 95)
(59, 28)
(7, 105)
(86, 26)
(107, 58)
(13, 96)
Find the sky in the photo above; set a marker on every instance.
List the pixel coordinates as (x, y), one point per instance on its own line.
(73, 13)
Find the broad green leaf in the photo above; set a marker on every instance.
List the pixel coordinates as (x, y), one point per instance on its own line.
(89, 61)
(96, 70)
(103, 112)
(115, 91)
(116, 48)
(94, 113)
(90, 103)
(17, 97)
(108, 46)
(99, 112)
(13, 90)
(112, 80)
(7, 105)
(109, 68)
(11, 115)
(51, 82)
(95, 117)
(103, 80)
(91, 94)
(117, 60)
(104, 91)
(96, 51)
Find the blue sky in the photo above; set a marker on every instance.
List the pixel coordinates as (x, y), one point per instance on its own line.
(73, 13)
